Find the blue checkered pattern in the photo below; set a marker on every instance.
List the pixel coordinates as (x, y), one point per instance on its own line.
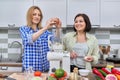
(35, 53)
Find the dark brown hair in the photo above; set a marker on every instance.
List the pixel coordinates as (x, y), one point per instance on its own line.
(87, 21)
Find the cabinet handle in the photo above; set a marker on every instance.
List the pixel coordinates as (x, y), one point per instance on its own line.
(116, 26)
(12, 25)
(96, 25)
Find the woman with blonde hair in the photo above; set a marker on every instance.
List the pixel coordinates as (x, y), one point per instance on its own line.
(35, 40)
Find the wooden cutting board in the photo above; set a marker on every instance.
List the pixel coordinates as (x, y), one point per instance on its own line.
(17, 76)
(22, 76)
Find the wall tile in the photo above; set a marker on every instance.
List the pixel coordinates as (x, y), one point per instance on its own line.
(104, 36)
(115, 36)
(3, 36)
(115, 41)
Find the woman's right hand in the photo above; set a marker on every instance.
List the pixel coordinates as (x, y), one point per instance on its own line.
(73, 55)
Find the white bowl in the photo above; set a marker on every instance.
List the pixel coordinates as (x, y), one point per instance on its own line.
(84, 72)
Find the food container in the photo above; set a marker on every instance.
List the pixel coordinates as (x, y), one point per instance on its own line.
(84, 72)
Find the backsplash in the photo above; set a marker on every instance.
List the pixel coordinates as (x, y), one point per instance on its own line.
(6, 38)
(105, 37)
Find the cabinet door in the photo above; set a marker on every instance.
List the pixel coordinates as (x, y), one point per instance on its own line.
(52, 8)
(89, 7)
(13, 12)
(110, 13)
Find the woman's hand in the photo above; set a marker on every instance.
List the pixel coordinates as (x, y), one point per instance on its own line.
(58, 23)
(50, 23)
(89, 58)
(53, 21)
(73, 55)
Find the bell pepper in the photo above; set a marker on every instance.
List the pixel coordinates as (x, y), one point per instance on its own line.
(115, 71)
(106, 71)
(95, 71)
(118, 76)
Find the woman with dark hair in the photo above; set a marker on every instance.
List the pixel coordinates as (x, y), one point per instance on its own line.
(35, 40)
(83, 47)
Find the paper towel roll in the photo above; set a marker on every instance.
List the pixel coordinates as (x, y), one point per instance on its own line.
(54, 56)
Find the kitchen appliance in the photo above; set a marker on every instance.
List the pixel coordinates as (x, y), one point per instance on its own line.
(114, 58)
(59, 60)
(57, 56)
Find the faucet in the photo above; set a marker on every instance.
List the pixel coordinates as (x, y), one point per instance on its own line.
(21, 51)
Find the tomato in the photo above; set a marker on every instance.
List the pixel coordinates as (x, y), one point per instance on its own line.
(65, 74)
(59, 73)
(53, 75)
(62, 78)
(37, 73)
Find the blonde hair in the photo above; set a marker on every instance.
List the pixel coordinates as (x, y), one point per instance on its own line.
(30, 14)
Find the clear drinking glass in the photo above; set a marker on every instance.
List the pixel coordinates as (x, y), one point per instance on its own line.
(28, 73)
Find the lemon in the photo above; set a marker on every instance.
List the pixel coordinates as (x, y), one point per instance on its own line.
(110, 66)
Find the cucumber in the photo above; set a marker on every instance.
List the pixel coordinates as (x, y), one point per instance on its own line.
(102, 72)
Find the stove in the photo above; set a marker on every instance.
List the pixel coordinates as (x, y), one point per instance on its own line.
(115, 60)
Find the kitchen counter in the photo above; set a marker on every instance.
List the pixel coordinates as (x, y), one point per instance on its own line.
(103, 63)
(11, 64)
(117, 64)
(100, 64)
(21, 76)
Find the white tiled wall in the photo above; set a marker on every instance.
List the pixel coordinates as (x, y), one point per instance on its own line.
(105, 37)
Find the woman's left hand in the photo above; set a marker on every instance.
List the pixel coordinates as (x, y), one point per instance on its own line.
(58, 23)
(89, 58)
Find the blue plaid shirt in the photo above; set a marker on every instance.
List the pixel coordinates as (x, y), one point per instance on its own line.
(35, 52)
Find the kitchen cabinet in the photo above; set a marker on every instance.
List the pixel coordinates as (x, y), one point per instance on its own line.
(110, 13)
(13, 12)
(52, 8)
(89, 7)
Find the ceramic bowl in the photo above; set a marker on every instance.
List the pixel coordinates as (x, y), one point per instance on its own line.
(84, 72)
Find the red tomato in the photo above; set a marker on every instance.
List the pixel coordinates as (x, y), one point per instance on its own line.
(37, 73)
(62, 78)
(65, 74)
(53, 75)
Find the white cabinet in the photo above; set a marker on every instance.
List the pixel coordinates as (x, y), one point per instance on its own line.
(13, 12)
(110, 13)
(52, 8)
(89, 7)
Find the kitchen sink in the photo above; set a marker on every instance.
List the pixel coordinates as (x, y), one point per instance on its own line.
(18, 61)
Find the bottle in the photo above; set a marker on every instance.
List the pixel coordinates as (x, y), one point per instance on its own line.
(75, 71)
